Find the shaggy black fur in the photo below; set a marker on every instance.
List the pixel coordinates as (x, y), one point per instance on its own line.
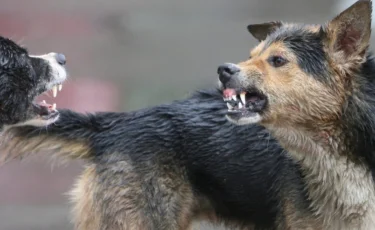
(242, 171)
(143, 160)
(240, 174)
(358, 121)
(22, 78)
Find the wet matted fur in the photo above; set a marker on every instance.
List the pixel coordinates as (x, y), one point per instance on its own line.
(166, 166)
(157, 168)
(313, 88)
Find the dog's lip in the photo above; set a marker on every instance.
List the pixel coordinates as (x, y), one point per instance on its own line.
(50, 115)
(55, 88)
(45, 112)
(42, 109)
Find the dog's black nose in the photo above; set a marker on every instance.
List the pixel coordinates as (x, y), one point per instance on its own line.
(226, 71)
(60, 58)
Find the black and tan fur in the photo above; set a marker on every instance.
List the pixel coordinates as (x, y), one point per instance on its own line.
(313, 88)
(167, 166)
(157, 168)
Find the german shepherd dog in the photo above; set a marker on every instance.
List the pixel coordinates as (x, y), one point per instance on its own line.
(167, 166)
(313, 88)
(157, 168)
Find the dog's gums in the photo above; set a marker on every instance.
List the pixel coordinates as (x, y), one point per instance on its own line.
(45, 110)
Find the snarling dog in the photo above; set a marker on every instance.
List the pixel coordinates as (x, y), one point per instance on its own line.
(157, 168)
(313, 87)
(22, 78)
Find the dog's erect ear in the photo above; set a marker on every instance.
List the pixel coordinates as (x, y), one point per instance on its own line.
(349, 33)
(261, 31)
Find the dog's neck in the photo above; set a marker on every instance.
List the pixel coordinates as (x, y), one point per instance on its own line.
(339, 187)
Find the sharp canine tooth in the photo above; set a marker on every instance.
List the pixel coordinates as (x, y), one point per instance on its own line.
(240, 105)
(229, 106)
(234, 97)
(44, 101)
(54, 106)
(54, 90)
(242, 95)
(60, 87)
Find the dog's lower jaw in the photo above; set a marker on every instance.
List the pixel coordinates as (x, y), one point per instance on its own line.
(246, 120)
(39, 122)
(36, 122)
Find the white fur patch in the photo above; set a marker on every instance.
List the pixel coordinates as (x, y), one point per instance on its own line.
(246, 120)
(59, 73)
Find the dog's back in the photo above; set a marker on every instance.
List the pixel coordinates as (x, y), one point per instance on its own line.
(166, 166)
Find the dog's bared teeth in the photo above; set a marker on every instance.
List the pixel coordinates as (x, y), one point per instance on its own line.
(54, 91)
(44, 101)
(234, 97)
(240, 105)
(229, 106)
(54, 106)
(243, 96)
(60, 87)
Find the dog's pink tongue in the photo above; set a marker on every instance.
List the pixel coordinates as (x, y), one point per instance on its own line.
(229, 92)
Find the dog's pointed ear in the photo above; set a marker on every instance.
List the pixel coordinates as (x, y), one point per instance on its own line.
(349, 33)
(261, 31)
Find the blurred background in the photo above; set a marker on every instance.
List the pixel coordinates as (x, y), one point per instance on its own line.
(125, 55)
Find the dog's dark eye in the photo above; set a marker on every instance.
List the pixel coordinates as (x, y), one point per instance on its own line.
(277, 61)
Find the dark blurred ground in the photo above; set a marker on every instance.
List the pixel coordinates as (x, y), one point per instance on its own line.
(125, 55)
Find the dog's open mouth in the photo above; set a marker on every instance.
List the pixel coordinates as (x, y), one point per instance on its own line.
(244, 104)
(44, 110)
